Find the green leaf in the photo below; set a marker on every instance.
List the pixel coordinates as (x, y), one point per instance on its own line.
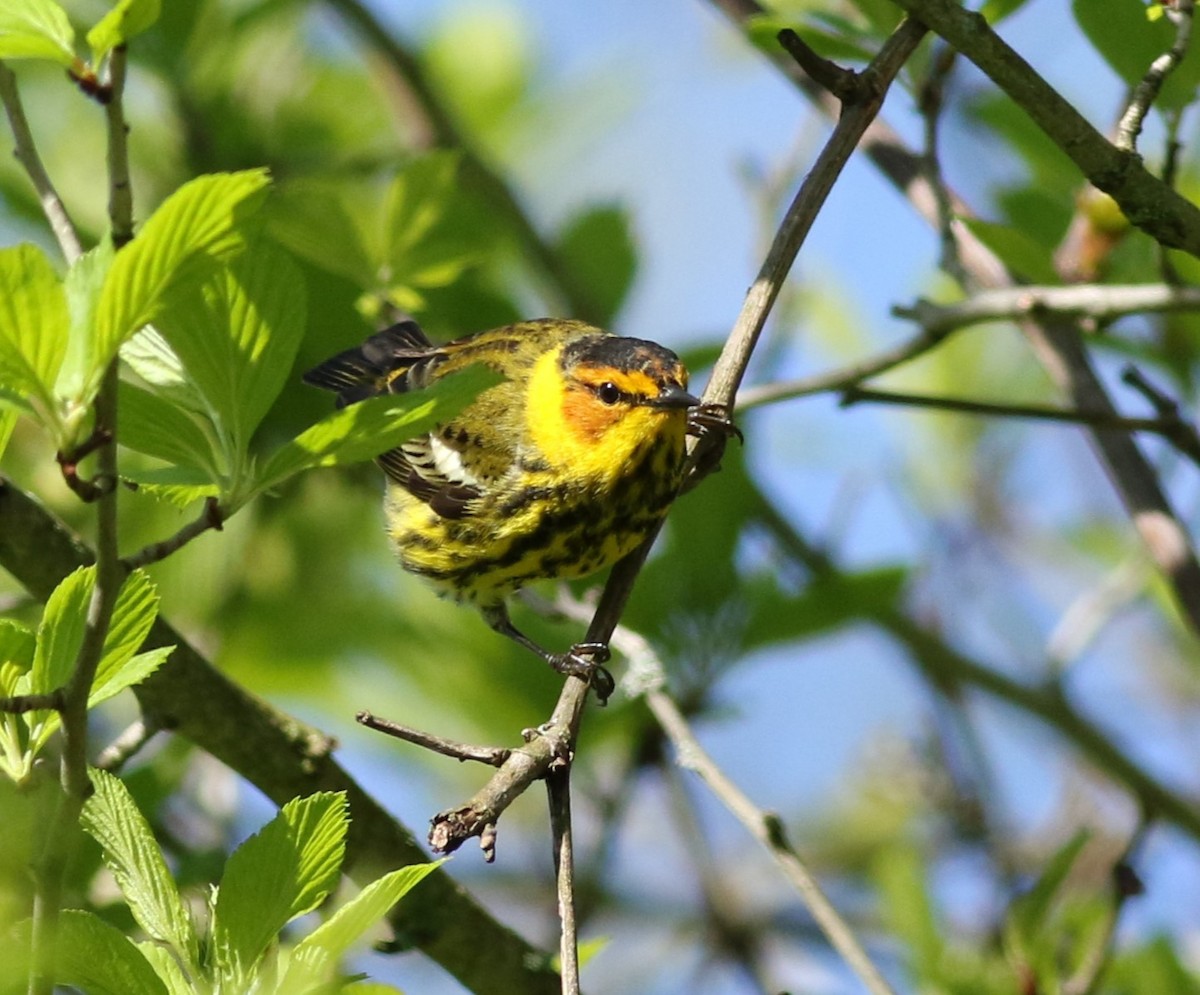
(315, 957)
(33, 325)
(96, 957)
(284, 871)
(199, 225)
(900, 874)
(121, 665)
(597, 248)
(8, 422)
(61, 631)
(126, 19)
(133, 615)
(151, 357)
(158, 428)
(995, 11)
(36, 29)
(178, 485)
(362, 431)
(836, 39)
(134, 671)
(1028, 915)
(313, 221)
(167, 968)
(17, 646)
(85, 279)
(417, 200)
(112, 818)
(1020, 253)
(1129, 41)
(236, 336)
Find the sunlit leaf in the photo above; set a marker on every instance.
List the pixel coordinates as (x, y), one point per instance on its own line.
(178, 485)
(17, 646)
(314, 958)
(283, 871)
(33, 325)
(118, 668)
(36, 29)
(167, 968)
(126, 19)
(236, 336)
(96, 957)
(161, 429)
(194, 228)
(113, 819)
(8, 422)
(365, 430)
(84, 281)
(61, 631)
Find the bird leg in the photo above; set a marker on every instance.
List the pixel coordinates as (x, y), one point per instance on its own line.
(583, 660)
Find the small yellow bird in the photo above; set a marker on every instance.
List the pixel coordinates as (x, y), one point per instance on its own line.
(560, 470)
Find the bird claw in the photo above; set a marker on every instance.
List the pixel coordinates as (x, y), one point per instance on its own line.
(585, 660)
(712, 418)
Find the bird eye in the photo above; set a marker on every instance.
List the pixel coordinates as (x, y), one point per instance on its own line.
(608, 392)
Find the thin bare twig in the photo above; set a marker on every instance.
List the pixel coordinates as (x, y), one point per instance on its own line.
(931, 102)
(843, 377)
(1097, 303)
(842, 83)
(558, 793)
(493, 756)
(769, 831)
(1147, 90)
(852, 124)
(127, 744)
(646, 677)
(27, 154)
(212, 516)
(1164, 426)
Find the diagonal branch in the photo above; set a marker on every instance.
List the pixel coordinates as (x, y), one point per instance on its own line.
(27, 154)
(1151, 205)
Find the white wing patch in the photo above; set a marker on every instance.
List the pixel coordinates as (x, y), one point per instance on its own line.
(437, 462)
(447, 462)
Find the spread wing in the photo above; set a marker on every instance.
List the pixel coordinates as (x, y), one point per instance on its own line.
(435, 468)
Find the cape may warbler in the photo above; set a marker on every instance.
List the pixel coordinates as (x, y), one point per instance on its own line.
(558, 471)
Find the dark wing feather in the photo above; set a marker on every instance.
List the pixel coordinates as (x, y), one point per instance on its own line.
(388, 362)
(396, 360)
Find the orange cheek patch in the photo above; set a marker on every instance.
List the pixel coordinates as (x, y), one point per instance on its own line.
(584, 415)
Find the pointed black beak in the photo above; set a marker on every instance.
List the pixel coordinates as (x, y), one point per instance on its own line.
(673, 397)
